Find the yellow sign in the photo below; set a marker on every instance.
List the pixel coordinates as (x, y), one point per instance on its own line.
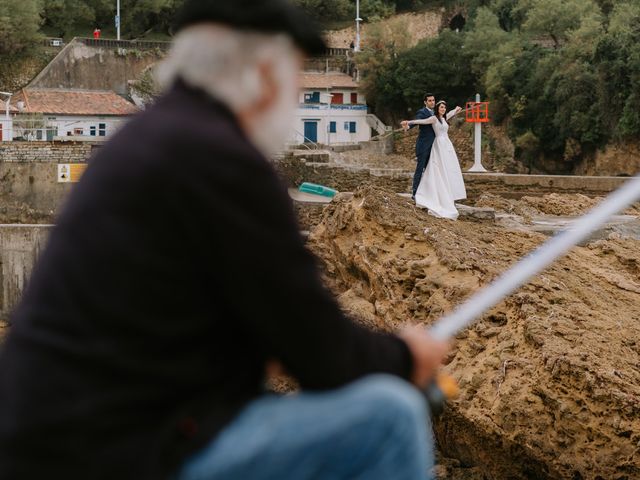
(70, 172)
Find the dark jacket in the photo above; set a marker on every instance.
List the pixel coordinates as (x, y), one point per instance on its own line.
(426, 135)
(175, 271)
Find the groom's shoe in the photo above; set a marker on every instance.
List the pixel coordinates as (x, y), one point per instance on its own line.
(413, 197)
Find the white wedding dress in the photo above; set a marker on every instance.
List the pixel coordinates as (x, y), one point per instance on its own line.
(442, 182)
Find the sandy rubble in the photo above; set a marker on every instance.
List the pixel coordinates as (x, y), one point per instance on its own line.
(550, 378)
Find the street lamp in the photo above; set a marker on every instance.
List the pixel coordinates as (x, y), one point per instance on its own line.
(118, 18)
(328, 96)
(356, 48)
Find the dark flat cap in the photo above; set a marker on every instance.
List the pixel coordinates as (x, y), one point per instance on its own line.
(265, 16)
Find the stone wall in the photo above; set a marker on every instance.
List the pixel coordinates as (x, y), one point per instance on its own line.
(20, 247)
(29, 188)
(45, 152)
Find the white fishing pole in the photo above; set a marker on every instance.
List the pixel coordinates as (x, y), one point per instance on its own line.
(535, 262)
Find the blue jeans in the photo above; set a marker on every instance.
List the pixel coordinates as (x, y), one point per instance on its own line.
(374, 428)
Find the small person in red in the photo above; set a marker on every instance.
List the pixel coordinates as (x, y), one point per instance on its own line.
(96, 33)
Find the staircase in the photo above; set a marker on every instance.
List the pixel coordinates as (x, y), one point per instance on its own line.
(377, 124)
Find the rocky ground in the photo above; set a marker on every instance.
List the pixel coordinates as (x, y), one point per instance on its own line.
(550, 378)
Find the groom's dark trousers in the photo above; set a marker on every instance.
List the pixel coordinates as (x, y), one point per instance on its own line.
(426, 136)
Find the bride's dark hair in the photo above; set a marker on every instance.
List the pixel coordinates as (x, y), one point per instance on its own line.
(441, 118)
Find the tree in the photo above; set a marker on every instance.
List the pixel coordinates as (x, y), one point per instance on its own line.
(556, 18)
(19, 25)
(63, 15)
(323, 10)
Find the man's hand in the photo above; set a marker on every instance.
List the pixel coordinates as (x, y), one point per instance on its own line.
(405, 125)
(427, 354)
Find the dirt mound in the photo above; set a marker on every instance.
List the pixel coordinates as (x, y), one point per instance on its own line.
(549, 378)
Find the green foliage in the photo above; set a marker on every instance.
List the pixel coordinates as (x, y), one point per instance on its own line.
(19, 25)
(64, 17)
(562, 75)
(555, 18)
(323, 10)
(396, 78)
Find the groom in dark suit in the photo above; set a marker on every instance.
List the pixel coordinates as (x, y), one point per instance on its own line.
(426, 136)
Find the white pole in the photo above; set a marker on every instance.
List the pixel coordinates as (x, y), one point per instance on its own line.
(9, 130)
(535, 262)
(118, 18)
(477, 161)
(329, 122)
(358, 20)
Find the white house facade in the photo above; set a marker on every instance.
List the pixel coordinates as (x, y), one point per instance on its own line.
(48, 114)
(331, 110)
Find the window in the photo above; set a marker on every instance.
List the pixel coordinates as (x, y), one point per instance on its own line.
(354, 98)
(350, 127)
(313, 97)
(102, 129)
(332, 127)
(92, 130)
(337, 99)
(78, 131)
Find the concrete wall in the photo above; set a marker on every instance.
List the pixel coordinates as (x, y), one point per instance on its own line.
(103, 65)
(20, 246)
(296, 170)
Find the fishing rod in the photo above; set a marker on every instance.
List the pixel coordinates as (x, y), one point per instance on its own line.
(471, 310)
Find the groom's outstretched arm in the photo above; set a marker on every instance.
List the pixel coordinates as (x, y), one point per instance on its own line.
(422, 114)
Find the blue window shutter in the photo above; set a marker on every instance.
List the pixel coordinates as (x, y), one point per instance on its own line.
(332, 127)
(352, 127)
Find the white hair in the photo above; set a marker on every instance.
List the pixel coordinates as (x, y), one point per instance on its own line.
(224, 62)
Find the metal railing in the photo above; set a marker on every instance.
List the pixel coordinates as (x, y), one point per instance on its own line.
(126, 44)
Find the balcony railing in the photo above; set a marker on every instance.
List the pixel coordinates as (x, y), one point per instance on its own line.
(334, 106)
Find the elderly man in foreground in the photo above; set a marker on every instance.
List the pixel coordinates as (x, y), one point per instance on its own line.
(176, 274)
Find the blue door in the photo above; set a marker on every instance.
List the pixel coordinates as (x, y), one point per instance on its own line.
(310, 132)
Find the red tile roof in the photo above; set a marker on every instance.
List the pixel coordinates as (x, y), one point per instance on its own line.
(326, 80)
(72, 102)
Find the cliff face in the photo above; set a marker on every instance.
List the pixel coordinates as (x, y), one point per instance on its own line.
(615, 159)
(549, 377)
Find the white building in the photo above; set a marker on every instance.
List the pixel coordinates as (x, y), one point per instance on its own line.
(47, 114)
(332, 111)
(6, 121)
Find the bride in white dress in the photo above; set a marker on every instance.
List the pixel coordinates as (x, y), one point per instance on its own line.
(442, 182)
